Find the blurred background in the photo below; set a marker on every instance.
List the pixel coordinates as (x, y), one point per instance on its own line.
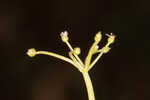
(121, 74)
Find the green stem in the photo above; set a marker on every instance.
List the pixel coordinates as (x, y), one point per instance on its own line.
(89, 86)
(71, 49)
(56, 56)
(94, 62)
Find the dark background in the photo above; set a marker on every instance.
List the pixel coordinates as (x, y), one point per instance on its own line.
(122, 74)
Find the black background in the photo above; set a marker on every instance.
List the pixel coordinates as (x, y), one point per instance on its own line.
(122, 74)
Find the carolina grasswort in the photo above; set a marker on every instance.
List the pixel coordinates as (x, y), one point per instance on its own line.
(74, 59)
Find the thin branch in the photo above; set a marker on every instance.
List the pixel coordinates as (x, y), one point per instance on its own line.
(56, 56)
(71, 49)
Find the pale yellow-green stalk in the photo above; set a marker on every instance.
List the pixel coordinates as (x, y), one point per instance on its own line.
(74, 59)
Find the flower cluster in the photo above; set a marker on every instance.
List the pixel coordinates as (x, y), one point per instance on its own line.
(74, 53)
(74, 59)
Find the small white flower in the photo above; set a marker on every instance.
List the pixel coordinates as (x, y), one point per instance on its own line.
(64, 36)
(111, 38)
(65, 33)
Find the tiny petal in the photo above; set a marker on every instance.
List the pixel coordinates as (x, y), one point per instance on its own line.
(31, 52)
(65, 33)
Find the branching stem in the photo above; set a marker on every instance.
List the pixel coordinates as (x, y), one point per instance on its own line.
(84, 68)
(71, 49)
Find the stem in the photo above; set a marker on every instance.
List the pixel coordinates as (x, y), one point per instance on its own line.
(71, 49)
(80, 68)
(89, 56)
(97, 58)
(89, 86)
(57, 56)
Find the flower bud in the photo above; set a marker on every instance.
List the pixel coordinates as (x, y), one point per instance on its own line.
(111, 38)
(77, 50)
(31, 52)
(64, 36)
(98, 37)
(105, 49)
